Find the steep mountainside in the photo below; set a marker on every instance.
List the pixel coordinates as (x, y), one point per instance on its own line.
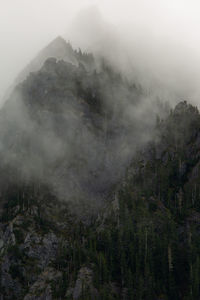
(98, 200)
(70, 127)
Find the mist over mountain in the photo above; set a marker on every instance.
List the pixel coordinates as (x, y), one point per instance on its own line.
(75, 125)
(99, 174)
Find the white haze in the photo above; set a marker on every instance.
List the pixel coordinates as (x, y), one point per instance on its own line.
(159, 40)
(152, 42)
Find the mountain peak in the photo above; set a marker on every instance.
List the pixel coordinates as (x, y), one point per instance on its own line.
(58, 39)
(58, 48)
(184, 107)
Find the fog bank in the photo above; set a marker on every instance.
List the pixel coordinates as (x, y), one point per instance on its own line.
(159, 40)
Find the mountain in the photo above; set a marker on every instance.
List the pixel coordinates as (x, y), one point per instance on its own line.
(99, 194)
(69, 126)
(59, 49)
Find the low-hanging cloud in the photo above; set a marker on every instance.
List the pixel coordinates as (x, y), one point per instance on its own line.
(159, 40)
(156, 43)
(154, 58)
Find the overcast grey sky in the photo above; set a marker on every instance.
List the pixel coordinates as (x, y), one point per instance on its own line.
(164, 35)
